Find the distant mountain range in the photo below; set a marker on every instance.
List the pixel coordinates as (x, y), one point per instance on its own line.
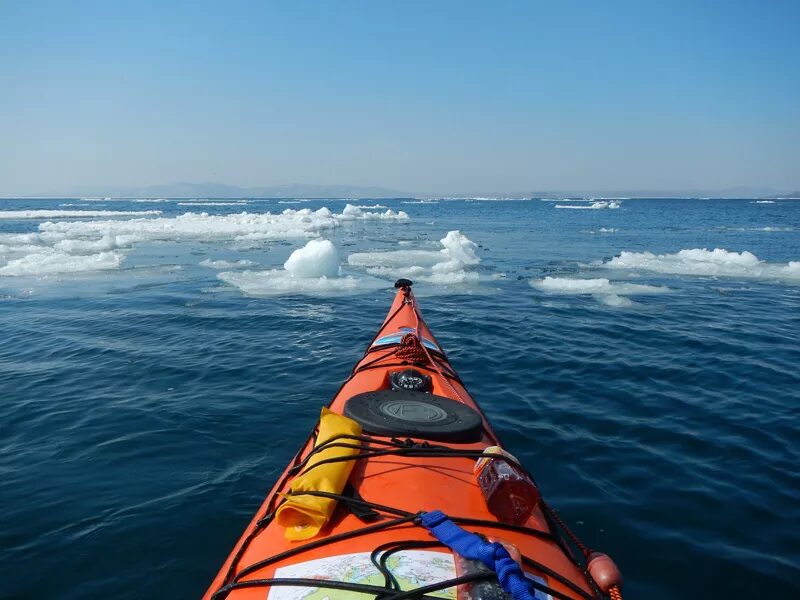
(222, 190)
(306, 190)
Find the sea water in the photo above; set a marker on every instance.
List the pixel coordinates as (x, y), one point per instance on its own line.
(161, 360)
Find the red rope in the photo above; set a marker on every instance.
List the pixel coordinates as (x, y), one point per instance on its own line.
(412, 350)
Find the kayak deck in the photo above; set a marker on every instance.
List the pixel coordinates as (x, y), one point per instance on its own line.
(393, 480)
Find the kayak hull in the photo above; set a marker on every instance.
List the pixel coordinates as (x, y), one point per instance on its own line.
(405, 483)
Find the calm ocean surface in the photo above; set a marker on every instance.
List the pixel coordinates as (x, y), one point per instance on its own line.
(146, 406)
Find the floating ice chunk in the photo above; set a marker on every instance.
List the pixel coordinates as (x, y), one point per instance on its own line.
(443, 267)
(593, 206)
(227, 264)
(107, 242)
(354, 213)
(459, 247)
(72, 214)
(237, 203)
(313, 269)
(710, 263)
(373, 207)
(52, 262)
(277, 282)
(765, 201)
(318, 258)
(614, 300)
(569, 285)
(89, 237)
(607, 292)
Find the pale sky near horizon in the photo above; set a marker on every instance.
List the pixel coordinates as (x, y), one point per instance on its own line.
(432, 97)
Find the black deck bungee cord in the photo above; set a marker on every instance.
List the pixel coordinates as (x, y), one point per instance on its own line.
(399, 448)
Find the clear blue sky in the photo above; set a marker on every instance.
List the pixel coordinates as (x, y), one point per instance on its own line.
(419, 96)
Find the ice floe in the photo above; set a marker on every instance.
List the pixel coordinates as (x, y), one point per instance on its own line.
(38, 253)
(227, 264)
(311, 270)
(611, 293)
(569, 285)
(764, 202)
(450, 265)
(53, 262)
(593, 206)
(710, 263)
(318, 258)
(237, 203)
(354, 213)
(71, 214)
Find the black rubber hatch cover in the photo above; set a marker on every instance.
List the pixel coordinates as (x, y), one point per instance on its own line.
(414, 414)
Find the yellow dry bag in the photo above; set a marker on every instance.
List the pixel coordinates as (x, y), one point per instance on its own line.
(304, 516)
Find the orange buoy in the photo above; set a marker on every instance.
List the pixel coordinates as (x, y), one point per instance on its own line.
(604, 572)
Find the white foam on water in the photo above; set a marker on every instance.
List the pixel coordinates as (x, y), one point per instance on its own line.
(311, 270)
(708, 263)
(227, 264)
(373, 207)
(70, 214)
(450, 265)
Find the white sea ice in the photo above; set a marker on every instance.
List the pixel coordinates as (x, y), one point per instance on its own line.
(73, 214)
(227, 264)
(318, 258)
(450, 265)
(22, 254)
(607, 292)
(570, 285)
(710, 263)
(593, 206)
(52, 262)
(311, 270)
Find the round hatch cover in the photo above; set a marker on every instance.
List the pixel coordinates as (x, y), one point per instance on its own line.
(413, 410)
(415, 414)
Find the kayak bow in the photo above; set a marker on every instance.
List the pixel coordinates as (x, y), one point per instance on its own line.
(404, 435)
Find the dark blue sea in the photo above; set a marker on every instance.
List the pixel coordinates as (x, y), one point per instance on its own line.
(148, 401)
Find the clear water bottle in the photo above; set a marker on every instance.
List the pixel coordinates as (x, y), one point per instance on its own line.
(509, 493)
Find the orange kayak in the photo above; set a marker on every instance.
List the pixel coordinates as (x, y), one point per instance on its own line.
(359, 512)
